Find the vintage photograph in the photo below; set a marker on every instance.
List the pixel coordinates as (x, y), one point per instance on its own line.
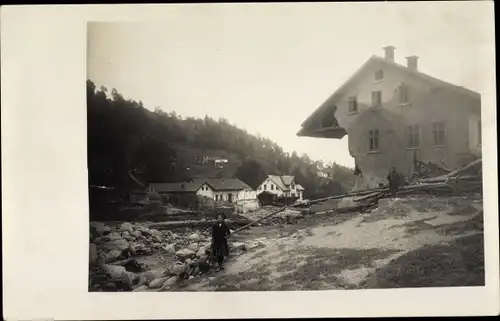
(263, 153)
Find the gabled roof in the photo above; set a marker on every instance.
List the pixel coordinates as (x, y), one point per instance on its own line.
(220, 184)
(375, 59)
(187, 186)
(217, 184)
(300, 188)
(283, 182)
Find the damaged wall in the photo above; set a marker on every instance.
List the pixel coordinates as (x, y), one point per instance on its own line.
(427, 103)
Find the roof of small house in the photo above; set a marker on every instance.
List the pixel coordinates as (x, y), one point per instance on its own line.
(332, 100)
(192, 185)
(300, 188)
(283, 182)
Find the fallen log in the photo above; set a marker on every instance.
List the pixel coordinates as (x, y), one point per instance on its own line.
(260, 220)
(176, 224)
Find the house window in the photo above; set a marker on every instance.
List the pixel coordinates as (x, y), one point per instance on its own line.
(403, 94)
(272, 186)
(353, 104)
(438, 132)
(293, 194)
(379, 75)
(265, 187)
(376, 98)
(413, 136)
(479, 134)
(216, 198)
(293, 186)
(373, 140)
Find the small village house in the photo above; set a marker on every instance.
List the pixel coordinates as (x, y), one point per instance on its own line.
(395, 115)
(199, 192)
(281, 187)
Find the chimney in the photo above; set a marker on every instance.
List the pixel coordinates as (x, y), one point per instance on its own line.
(412, 63)
(389, 53)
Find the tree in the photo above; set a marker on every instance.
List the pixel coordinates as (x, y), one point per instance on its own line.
(251, 172)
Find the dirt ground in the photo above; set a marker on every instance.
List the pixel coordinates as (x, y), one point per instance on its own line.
(405, 242)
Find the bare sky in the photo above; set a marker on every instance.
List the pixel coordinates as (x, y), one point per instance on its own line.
(266, 67)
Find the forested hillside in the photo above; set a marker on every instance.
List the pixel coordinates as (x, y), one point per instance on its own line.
(124, 137)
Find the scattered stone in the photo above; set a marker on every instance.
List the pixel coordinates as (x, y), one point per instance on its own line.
(140, 288)
(193, 247)
(114, 271)
(148, 276)
(113, 256)
(157, 283)
(178, 269)
(238, 246)
(185, 253)
(170, 248)
(107, 230)
(195, 237)
(126, 227)
(119, 244)
(169, 283)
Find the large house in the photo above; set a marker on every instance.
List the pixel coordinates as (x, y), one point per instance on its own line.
(195, 192)
(395, 115)
(281, 186)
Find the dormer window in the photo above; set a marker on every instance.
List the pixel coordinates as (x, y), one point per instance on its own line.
(379, 75)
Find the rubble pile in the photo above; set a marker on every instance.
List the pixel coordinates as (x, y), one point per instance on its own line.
(115, 254)
(288, 216)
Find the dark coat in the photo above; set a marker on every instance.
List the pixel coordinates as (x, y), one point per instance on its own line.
(220, 233)
(395, 179)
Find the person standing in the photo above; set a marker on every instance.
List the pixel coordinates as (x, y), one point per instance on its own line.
(394, 179)
(220, 233)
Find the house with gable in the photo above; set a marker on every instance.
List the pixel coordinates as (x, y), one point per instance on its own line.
(281, 187)
(397, 116)
(198, 192)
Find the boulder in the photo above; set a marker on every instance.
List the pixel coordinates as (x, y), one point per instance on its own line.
(194, 247)
(178, 269)
(113, 256)
(238, 246)
(130, 279)
(169, 283)
(170, 248)
(185, 253)
(140, 288)
(93, 254)
(129, 238)
(145, 231)
(157, 283)
(126, 227)
(148, 276)
(158, 238)
(113, 236)
(119, 244)
(195, 237)
(114, 271)
(135, 234)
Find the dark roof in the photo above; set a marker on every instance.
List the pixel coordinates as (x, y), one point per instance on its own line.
(375, 59)
(186, 186)
(227, 184)
(193, 185)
